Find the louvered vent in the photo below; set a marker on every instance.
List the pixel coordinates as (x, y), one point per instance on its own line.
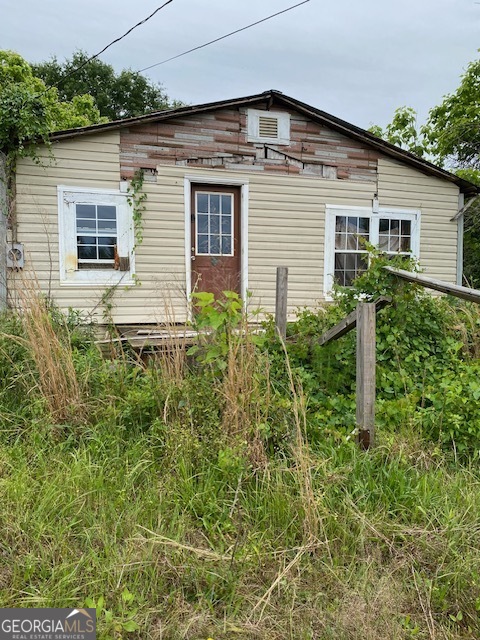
(267, 127)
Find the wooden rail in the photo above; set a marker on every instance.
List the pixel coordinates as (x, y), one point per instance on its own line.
(349, 322)
(473, 295)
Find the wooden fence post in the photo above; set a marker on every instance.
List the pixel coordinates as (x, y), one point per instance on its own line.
(366, 378)
(281, 302)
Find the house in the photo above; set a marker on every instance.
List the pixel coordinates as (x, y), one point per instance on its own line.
(232, 190)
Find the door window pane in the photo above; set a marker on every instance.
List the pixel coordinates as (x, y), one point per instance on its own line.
(226, 225)
(202, 223)
(214, 225)
(214, 203)
(214, 244)
(226, 245)
(226, 205)
(202, 246)
(202, 203)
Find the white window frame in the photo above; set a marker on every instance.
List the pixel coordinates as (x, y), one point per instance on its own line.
(68, 198)
(333, 210)
(253, 120)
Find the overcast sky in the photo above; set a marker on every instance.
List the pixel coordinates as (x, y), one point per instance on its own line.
(356, 59)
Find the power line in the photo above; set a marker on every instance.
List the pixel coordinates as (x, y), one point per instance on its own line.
(227, 35)
(77, 69)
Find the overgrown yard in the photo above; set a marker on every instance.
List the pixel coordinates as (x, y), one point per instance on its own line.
(223, 496)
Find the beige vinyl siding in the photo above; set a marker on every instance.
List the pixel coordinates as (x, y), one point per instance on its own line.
(404, 187)
(286, 227)
(93, 162)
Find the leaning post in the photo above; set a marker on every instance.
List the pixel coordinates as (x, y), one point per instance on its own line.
(281, 302)
(366, 379)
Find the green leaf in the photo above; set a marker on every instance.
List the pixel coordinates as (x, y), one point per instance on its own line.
(127, 596)
(130, 626)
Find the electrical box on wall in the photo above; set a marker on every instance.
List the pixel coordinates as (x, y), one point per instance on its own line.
(15, 255)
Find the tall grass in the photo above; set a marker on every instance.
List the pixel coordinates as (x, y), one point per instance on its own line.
(173, 513)
(52, 354)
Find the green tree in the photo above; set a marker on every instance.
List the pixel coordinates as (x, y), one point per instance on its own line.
(404, 132)
(451, 139)
(29, 112)
(453, 128)
(116, 95)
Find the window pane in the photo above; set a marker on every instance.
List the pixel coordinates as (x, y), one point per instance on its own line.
(226, 245)
(340, 224)
(362, 262)
(406, 227)
(202, 243)
(349, 277)
(364, 227)
(214, 203)
(352, 241)
(202, 224)
(87, 252)
(107, 225)
(352, 225)
(106, 212)
(227, 205)
(350, 261)
(405, 244)
(394, 227)
(85, 211)
(340, 261)
(202, 202)
(340, 241)
(86, 225)
(384, 225)
(226, 225)
(214, 244)
(86, 240)
(394, 243)
(106, 253)
(107, 241)
(214, 224)
(383, 242)
(348, 266)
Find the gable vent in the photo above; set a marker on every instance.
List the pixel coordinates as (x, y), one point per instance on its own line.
(267, 127)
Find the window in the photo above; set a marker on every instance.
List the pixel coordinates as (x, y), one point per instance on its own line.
(351, 258)
(347, 230)
(95, 236)
(96, 249)
(213, 213)
(268, 126)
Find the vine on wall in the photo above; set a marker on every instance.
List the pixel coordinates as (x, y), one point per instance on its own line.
(136, 198)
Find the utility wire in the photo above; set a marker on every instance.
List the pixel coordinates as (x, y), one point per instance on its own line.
(227, 35)
(84, 64)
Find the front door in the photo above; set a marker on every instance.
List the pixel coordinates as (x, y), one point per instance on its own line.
(216, 241)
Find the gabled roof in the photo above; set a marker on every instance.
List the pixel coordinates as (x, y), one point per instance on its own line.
(277, 97)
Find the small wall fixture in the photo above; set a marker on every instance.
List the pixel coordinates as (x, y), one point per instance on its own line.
(15, 256)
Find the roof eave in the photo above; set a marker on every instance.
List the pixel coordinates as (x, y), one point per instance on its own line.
(333, 122)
